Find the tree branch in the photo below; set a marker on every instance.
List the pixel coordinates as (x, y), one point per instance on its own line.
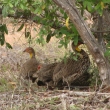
(21, 15)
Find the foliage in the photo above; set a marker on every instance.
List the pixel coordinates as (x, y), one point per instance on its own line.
(94, 5)
(3, 31)
(107, 53)
(94, 73)
(54, 20)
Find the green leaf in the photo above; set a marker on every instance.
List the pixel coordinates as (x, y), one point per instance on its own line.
(82, 10)
(64, 31)
(85, 3)
(40, 40)
(88, 5)
(21, 27)
(22, 6)
(5, 28)
(38, 10)
(106, 1)
(98, 7)
(27, 34)
(107, 53)
(60, 46)
(5, 11)
(48, 37)
(10, 5)
(75, 40)
(75, 32)
(8, 45)
(2, 39)
(75, 58)
(63, 42)
(12, 11)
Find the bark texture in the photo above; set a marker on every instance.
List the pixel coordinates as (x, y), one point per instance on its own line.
(88, 38)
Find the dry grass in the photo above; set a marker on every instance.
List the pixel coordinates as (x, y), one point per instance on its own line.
(53, 100)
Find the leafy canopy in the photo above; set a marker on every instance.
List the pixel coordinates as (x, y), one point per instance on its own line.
(54, 21)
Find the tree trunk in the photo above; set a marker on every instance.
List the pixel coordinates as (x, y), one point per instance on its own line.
(100, 35)
(88, 38)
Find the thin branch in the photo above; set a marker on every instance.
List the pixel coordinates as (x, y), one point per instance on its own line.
(100, 31)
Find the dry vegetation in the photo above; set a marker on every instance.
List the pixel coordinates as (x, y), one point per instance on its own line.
(14, 96)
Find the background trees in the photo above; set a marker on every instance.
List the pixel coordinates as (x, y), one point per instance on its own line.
(64, 20)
